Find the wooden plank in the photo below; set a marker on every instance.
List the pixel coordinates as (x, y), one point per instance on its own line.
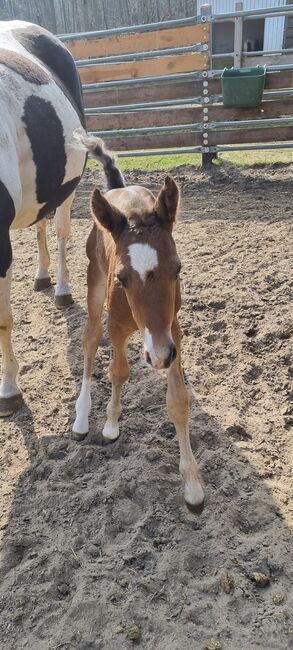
(153, 142)
(137, 119)
(133, 69)
(278, 134)
(144, 42)
(276, 80)
(189, 115)
(148, 93)
(266, 109)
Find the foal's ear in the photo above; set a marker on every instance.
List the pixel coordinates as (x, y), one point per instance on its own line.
(107, 215)
(167, 202)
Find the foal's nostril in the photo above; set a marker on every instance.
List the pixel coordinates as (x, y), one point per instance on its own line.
(174, 353)
(171, 356)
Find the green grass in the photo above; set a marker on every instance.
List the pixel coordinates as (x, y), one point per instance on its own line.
(241, 158)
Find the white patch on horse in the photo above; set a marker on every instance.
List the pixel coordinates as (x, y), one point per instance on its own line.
(148, 341)
(143, 259)
(83, 407)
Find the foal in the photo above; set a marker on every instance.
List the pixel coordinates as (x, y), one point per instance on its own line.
(133, 264)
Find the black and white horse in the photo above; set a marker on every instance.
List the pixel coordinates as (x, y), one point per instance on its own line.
(41, 107)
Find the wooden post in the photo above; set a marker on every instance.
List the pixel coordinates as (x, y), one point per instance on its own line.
(207, 157)
(238, 37)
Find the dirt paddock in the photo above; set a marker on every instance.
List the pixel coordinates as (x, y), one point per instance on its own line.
(98, 549)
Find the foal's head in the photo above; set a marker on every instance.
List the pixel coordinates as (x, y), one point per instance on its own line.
(146, 265)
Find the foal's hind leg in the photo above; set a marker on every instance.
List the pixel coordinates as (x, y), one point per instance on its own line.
(63, 295)
(92, 335)
(119, 373)
(10, 396)
(42, 277)
(178, 411)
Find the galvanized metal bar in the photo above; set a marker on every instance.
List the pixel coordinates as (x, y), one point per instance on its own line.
(221, 56)
(143, 81)
(174, 103)
(216, 74)
(172, 78)
(250, 14)
(254, 147)
(199, 150)
(140, 56)
(267, 94)
(145, 106)
(211, 126)
(133, 29)
(288, 50)
(257, 53)
(251, 124)
(151, 130)
(158, 152)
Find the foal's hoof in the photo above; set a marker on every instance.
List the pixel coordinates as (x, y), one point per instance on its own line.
(110, 432)
(195, 509)
(194, 497)
(42, 283)
(8, 405)
(78, 437)
(64, 301)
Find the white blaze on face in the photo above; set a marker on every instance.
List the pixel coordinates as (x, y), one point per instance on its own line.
(143, 259)
(148, 342)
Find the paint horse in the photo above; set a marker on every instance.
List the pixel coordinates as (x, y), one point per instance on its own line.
(41, 107)
(134, 266)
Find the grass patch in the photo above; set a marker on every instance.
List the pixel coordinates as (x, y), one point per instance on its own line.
(241, 158)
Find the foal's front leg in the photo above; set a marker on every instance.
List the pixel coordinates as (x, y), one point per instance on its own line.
(119, 373)
(178, 411)
(92, 335)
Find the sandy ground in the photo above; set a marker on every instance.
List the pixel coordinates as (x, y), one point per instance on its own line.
(95, 539)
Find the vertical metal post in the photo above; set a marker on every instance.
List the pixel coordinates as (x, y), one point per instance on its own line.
(207, 156)
(238, 37)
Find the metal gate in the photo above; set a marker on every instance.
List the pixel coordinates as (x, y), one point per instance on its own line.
(152, 88)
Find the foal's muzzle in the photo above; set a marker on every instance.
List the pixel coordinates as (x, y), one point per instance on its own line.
(166, 363)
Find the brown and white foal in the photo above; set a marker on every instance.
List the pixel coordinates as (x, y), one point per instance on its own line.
(133, 264)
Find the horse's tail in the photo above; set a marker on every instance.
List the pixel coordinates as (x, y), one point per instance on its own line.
(97, 148)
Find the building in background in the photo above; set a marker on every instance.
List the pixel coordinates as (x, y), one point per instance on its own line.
(269, 34)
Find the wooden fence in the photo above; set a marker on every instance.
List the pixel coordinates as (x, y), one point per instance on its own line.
(152, 87)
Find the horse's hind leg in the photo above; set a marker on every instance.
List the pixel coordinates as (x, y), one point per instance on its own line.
(63, 296)
(42, 277)
(10, 396)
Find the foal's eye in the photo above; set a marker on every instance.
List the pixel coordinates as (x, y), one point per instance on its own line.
(122, 279)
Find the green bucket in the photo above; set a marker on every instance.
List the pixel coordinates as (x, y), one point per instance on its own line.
(243, 87)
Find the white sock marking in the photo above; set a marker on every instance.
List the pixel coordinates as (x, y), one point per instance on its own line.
(8, 388)
(143, 258)
(83, 407)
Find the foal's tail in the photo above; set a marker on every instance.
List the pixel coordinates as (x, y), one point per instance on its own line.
(97, 148)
